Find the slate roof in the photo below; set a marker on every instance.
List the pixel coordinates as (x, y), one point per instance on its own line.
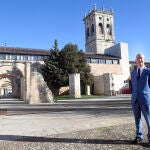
(17, 50)
(30, 51)
(103, 56)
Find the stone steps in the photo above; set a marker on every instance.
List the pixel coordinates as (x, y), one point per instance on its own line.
(17, 107)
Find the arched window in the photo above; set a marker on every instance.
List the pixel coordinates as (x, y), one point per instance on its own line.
(87, 33)
(92, 29)
(101, 28)
(108, 28)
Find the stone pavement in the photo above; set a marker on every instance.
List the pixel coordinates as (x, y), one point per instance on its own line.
(63, 116)
(103, 123)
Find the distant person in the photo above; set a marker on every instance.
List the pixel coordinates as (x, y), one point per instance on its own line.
(140, 97)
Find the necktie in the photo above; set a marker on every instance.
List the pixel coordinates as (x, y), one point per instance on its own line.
(138, 74)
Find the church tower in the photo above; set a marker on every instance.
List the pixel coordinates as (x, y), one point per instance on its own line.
(99, 31)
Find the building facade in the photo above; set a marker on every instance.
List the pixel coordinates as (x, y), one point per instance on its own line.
(109, 61)
(20, 75)
(20, 67)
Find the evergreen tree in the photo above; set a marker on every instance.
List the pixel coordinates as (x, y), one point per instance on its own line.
(59, 64)
(52, 71)
(69, 60)
(74, 61)
(84, 69)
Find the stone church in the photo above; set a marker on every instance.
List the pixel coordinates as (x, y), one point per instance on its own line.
(19, 75)
(109, 61)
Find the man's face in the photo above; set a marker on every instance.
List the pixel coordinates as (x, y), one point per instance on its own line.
(140, 59)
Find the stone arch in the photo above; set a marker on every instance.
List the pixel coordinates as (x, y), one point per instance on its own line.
(36, 67)
(16, 82)
(25, 80)
(10, 81)
(5, 85)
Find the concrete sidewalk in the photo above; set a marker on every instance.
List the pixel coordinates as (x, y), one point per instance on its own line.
(94, 124)
(64, 116)
(47, 124)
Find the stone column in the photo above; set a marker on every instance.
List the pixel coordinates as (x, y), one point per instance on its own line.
(88, 90)
(22, 80)
(108, 84)
(74, 85)
(1, 92)
(27, 82)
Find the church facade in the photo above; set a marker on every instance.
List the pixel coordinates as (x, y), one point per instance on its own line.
(109, 61)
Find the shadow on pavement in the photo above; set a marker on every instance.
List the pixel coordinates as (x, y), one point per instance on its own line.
(68, 140)
(63, 140)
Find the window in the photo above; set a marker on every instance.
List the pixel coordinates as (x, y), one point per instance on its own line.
(108, 61)
(94, 60)
(2, 56)
(88, 60)
(18, 57)
(102, 61)
(115, 61)
(8, 57)
(14, 57)
(87, 33)
(92, 29)
(108, 27)
(21, 57)
(101, 28)
(25, 57)
(35, 58)
(40, 58)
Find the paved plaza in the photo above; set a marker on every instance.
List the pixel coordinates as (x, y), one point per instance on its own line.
(100, 123)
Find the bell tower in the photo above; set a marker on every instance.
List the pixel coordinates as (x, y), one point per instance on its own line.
(99, 31)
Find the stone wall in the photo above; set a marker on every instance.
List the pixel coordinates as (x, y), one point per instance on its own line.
(119, 71)
(120, 50)
(113, 84)
(25, 82)
(100, 69)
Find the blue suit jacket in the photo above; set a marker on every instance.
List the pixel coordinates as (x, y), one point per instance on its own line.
(141, 89)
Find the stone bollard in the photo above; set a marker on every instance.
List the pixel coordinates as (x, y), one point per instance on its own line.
(74, 85)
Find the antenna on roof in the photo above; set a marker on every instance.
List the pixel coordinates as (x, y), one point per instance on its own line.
(5, 43)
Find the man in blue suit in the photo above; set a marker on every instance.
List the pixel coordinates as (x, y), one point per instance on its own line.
(140, 97)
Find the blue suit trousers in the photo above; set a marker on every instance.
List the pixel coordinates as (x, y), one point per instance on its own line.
(138, 110)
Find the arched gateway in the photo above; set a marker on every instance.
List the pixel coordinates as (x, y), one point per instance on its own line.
(10, 80)
(20, 75)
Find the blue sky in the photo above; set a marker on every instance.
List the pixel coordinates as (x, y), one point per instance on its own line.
(37, 23)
